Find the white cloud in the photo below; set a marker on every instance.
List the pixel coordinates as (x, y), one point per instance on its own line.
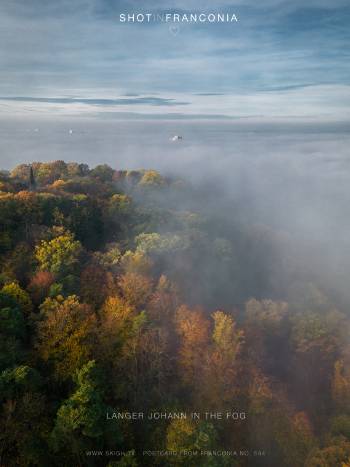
(331, 102)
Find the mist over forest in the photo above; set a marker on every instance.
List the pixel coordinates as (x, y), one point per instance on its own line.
(292, 178)
(149, 275)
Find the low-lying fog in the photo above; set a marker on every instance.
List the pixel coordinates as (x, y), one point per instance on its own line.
(294, 178)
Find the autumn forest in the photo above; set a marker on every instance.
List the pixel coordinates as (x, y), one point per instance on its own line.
(129, 292)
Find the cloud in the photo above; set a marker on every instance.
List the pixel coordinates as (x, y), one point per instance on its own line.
(78, 50)
(320, 103)
(157, 101)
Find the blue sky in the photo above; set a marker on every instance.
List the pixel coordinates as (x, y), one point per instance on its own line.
(73, 57)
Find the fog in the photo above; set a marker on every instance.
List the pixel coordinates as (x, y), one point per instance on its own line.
(292, 178)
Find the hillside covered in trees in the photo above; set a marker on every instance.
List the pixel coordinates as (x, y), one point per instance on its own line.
(126, 291)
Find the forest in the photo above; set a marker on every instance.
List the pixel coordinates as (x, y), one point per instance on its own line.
(131, 292)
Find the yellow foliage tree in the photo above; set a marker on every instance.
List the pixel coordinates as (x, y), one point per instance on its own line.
(65, 334)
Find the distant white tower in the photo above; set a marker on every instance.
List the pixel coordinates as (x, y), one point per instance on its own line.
(176, 138)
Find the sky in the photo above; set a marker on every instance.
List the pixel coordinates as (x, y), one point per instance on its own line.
(280, 60)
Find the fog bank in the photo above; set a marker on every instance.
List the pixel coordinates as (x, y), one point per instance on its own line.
(293, 178)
